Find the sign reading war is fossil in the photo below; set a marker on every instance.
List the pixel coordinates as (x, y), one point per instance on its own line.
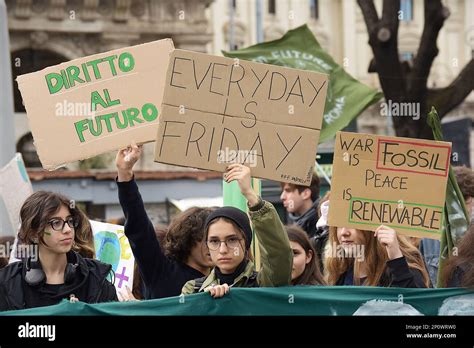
(392, 181)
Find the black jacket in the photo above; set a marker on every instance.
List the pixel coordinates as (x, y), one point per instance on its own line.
(319, 241)
(397, 275)
(89, 285)
(308, 220)
(162, 276)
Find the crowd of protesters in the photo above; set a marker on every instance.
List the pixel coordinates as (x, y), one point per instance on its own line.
(209, 249)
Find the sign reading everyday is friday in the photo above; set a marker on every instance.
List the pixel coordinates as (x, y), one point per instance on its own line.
(219, 110)
(398, 182)
(96, 104)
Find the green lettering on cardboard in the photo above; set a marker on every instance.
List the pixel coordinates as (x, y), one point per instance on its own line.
(93, 64)
(81, 126)
(56, 86)
(73, 74)
(132, 114)
(149, 112)
(126, 62)
(96, 98)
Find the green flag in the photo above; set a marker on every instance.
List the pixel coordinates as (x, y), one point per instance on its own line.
(456, 219)
(232, 196)
(298, 48)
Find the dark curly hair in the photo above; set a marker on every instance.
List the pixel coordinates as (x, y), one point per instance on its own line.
(184, 231)
(465, 179)
(464, 262)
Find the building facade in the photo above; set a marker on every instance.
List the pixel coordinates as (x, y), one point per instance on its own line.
(48, 32)
(340, 29)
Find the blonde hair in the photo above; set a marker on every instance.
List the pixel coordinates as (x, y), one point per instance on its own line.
(375, 259)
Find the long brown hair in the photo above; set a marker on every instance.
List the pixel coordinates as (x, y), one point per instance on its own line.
(40, 207)
(464, 259)
(375, 257)
(312, 274)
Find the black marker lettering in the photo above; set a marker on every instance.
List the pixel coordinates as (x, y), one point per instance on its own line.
(168, 136)
(287, 151)
(173, 72)
(195, 140)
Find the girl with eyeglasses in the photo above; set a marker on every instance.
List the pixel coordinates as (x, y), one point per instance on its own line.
(53, 228)
(228, 236)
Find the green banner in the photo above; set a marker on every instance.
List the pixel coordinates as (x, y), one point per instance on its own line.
(299, 49)
(298, 300)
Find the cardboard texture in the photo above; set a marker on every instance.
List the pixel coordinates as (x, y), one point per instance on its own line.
(15, 188)
(218, 111)
(92, 105)
(397, 182)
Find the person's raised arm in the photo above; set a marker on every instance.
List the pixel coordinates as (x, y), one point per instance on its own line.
(138, 227)
(275, 252)
(125, 161)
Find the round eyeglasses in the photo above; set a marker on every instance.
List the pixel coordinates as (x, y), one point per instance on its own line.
(231, 243)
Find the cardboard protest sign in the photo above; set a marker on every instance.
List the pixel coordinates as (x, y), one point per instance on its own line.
(92, 105)
(397, 182)
(112, 247)
(218, 111)
(15, 188)
(299, 48)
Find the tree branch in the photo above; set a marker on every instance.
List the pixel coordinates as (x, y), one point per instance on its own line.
(446, 99)
(370, 14)
(383, 41)
(435, 15)
(402, 84)
(390, 14)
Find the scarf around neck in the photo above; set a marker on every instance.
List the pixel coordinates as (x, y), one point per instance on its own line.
(230, 278)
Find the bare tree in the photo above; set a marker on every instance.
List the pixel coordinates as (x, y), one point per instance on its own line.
(402, 82)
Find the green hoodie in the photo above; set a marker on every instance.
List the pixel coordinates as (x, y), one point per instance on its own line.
(275, 253)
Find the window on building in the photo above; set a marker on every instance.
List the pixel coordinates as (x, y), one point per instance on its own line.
(238, 43)
(234, 4)
(26, 61)
(272, 7)
(406, 10)
(406, 56)
(314, 9)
